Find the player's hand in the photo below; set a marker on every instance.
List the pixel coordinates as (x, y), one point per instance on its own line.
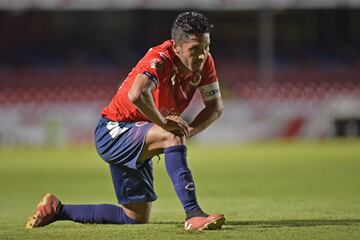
(191, 132)
(177, 125)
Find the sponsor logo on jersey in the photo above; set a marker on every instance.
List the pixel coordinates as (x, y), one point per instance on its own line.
(156, 63)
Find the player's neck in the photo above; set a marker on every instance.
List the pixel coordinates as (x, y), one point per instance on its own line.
(181, 69)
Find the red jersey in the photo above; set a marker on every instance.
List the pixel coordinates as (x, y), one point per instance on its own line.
(172, 94)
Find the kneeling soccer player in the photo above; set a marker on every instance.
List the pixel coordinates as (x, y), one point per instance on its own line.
(142, 121)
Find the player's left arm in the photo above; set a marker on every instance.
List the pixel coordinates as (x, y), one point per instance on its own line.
(213, 108)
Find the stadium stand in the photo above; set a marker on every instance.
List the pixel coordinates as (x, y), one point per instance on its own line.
(99, 83)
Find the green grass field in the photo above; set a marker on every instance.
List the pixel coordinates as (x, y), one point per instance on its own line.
(270, 190)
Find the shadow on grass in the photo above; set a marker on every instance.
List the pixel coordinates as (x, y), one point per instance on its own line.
(293, 223)
(169, 223)
(283, 223)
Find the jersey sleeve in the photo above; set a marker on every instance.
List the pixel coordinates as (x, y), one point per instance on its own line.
(153, 65)
(209, 74)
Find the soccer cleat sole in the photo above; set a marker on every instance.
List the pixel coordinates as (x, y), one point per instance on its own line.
(31, 221)
(35, 216)
(215, 224)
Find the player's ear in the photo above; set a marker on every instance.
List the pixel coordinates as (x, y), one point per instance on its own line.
(176, 47)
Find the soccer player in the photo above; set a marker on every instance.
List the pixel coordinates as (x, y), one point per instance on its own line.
(143, 120)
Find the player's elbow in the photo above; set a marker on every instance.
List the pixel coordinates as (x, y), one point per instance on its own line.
(219, 110)
(215, 108)
(133, 96)
(137, 95)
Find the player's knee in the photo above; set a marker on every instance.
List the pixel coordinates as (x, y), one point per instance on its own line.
(135, 218)
(170, 139)
(141, 220)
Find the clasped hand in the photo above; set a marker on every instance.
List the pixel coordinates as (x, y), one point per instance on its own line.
(177, 125)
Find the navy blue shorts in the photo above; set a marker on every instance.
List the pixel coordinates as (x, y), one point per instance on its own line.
(120, 144)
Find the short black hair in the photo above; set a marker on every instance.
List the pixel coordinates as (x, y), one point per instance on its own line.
(189, 23)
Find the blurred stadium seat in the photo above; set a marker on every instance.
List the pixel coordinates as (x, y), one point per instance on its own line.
(99, 83)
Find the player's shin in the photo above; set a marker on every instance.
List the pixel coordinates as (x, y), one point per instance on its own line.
(100, 213)
(180, 175)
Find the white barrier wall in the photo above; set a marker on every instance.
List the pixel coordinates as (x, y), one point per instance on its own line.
(74, 123)
(49, 124)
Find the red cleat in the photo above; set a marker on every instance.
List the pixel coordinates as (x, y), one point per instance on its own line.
(212, 222)
(45, 212)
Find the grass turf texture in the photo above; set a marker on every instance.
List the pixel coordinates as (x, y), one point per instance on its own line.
(272, 190)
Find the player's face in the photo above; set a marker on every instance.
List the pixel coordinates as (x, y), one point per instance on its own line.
(194, 51)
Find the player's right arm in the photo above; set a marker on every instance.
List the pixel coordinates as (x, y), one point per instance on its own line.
(140, 94)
